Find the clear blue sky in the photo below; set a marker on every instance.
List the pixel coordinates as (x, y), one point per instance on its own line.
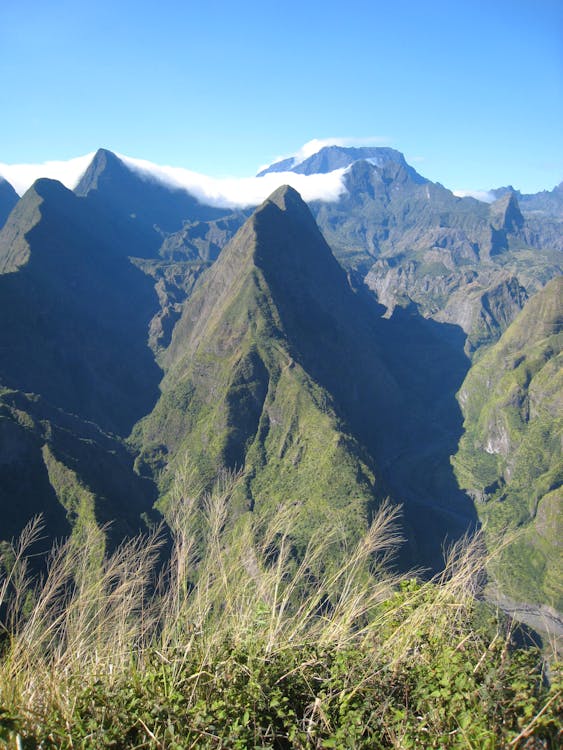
(471, 92)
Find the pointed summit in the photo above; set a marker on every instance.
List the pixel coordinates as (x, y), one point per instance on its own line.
(137, 202)
(281, 245)
(259, 368)
(104, 166)
(506, 214)
(287, 197)
(14, 246)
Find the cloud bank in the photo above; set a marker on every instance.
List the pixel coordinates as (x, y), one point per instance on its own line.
(233, 192)
(481, 195)
(22, 176)
(229, 192)
(240, 192)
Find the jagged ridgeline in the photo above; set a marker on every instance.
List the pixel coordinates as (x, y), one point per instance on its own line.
(509, 458)
(460, 260)
(273, 369)
(326, 373)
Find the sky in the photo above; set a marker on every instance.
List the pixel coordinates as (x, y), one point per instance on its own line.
(470, 92)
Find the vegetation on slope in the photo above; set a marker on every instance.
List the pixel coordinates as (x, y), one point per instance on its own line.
(247, 646)
(257, 376)
(66, 469)
(509, 458)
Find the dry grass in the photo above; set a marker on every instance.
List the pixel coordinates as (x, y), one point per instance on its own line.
(95, 620)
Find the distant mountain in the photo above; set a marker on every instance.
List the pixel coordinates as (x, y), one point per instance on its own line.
(172, 236)
(509, 458)
(8, 199)
(547, 203)
(413, 240)
(329, 158)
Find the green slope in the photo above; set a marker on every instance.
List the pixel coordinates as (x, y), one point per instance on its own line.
(509, 458)
(256, 376)
(66, 469)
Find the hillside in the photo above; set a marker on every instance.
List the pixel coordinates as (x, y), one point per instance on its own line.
(256, 373)
(509, 458)
(75, 311)
(77, 371)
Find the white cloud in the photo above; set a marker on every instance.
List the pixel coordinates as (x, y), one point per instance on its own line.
(481, 195)
(229, 192)
(22, 176)
(241, 192)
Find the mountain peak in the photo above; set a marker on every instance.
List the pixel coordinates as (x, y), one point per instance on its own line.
(103, 164)
(45, 187)
(506, 214)
(139, 202)
(264, 349)
(329, 158)
(286, 198)
(26, 214)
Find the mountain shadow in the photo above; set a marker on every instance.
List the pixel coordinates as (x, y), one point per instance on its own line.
(429, 363)
(75, 312)
(76, 371)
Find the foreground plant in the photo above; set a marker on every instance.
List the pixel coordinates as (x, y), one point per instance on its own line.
(238, 644)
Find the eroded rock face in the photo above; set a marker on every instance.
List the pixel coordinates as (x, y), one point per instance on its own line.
(481, 302)
(497, 437)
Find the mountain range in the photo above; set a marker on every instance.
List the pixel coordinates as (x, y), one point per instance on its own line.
(334, 353)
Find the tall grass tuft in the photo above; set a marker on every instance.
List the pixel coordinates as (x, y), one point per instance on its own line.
(237, 643)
